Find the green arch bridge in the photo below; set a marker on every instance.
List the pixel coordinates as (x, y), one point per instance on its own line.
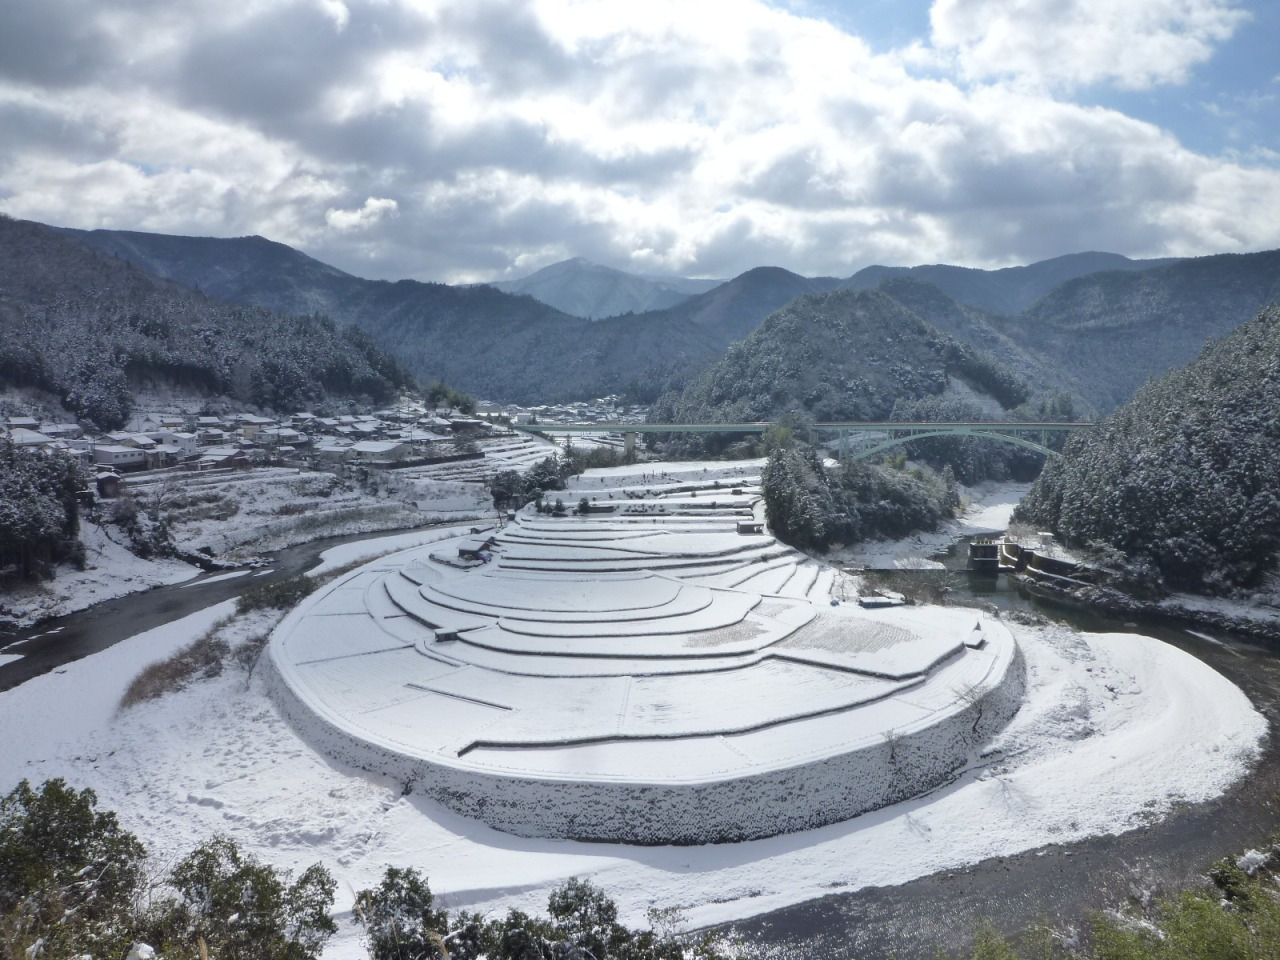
(858, 439)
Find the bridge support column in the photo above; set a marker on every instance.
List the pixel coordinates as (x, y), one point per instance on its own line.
(629, 442)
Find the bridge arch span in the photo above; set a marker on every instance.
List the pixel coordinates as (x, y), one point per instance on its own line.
(864, 452)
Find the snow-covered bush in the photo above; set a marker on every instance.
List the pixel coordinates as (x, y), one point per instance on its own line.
(243, 909)
(401, 923)
(70, 875)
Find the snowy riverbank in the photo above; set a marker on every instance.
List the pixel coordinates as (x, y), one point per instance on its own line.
(1118, 729)
(987, 509)
(111, 571)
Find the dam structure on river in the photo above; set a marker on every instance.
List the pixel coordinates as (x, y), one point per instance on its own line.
(654, 672)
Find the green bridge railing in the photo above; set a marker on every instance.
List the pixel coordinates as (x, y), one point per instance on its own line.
(870, 437)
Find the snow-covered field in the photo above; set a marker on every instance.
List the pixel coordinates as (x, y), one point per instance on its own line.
(612, 691)
(1117, 729)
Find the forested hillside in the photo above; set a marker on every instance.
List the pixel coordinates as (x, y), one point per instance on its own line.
(1110, 332)
(92, 330)
(1010, 290)
(979, 330)
(848, 355)
(477, 338)
(1183, 478)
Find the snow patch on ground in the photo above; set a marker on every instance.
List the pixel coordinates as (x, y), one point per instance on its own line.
(1260, 608)
(348, 553)
(1118, 729)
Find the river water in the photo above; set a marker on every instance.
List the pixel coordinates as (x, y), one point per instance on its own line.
(61, 640)
(1054, 885)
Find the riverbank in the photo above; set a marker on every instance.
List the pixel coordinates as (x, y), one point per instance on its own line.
(987, 508)
(1249, 617)
(1106, 744)
(113, 571)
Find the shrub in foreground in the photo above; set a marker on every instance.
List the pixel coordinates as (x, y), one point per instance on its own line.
(279, 595)
(400, 923)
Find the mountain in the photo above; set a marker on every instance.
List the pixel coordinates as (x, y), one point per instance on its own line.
(477, 338)
(732, 310)
(1009, 290)
(1182, 478)
(1095, 336)
(248, 270)
(844, 355)
(581, 288)
(93, 330)
(978, 329)
(1109, 332)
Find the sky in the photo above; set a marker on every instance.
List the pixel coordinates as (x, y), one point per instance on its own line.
(471, 140)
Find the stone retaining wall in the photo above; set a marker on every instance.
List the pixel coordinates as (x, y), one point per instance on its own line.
(807, 795)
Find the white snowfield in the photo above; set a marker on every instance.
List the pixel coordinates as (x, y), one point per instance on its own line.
(1114, 731)
(623, 678)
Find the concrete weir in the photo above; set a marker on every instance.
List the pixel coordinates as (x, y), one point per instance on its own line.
(639, 679)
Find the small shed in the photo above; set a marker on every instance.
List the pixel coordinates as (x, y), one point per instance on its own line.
(108, 484)
(475, 548)
(750, 526)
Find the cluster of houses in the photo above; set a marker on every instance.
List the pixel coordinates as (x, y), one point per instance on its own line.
(240, 439)
(608, 409)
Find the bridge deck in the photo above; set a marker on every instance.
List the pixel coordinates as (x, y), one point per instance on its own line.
(854, 426)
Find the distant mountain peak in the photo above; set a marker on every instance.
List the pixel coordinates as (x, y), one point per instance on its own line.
(583, 288)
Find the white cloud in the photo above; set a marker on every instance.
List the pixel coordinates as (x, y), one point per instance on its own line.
(1134, 44)
(453, 140)
(374, 209)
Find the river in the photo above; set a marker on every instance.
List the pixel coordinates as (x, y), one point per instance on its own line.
(62, 640)
(1056, 885)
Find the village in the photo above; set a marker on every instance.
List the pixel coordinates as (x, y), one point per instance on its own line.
(182, 489)
(413, 433)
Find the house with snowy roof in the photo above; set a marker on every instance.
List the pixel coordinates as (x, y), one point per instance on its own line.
(26, 437)
(381, 450)
(119, 457)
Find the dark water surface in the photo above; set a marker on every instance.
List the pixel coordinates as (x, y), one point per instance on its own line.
(61, 640)
(1056, 885)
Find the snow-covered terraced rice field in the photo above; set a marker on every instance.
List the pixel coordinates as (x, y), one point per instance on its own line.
(628, 678)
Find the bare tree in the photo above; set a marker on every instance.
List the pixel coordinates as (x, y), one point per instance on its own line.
(973, 696)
